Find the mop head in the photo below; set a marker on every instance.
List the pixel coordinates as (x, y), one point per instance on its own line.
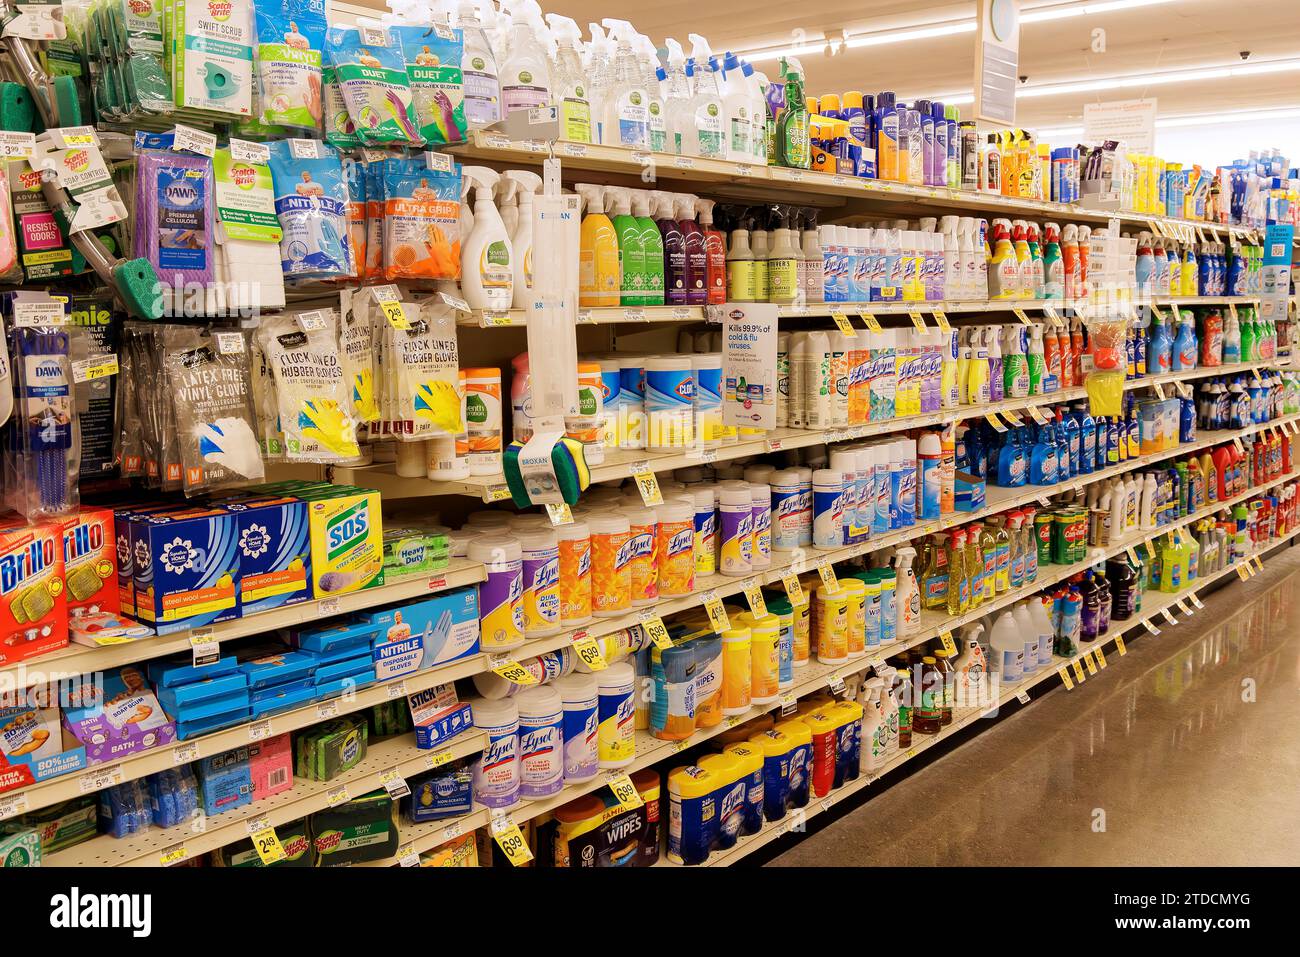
(569, 462)
(17, 111)
(138, 285)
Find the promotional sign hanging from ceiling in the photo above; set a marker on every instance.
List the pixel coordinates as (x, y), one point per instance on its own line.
(997, 61)
(1132, 122)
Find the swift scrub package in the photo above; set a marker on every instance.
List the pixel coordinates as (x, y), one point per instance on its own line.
(437, 87)
(311, 394)
(311, 200)
(371, 73)
(209, 381)
(421, 232)
(290, 40)
(212, 55)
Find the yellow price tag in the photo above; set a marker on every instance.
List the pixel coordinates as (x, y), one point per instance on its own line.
(625, 791)
(1241, 449)
(1052, 317)
(588, 652)
(395, 314)
(1133, 555)
(1242, 573)
(827, 571)
(1185, 608)
(515, 673)
(872, 322)
(1160, 391)
(559, 513)
(1078, 671)
(1196, 601)
(1020, 314)
(1146, 623)
(918, 320)
(1092, 665)
(945, 639)
(846, 327)
(1259, 563)
(173, 855)
(941, 321)
(268, 846)
(648, 485)
(717, 613)
(1065, 678)
(1036, 414)
(793, 589)
(993, 420)
(1120, 646)
(1012, 418)
(754, 595)
(1155, 311)
(1101, 658)
(657, 632)
(511, 841)
(1232, 308)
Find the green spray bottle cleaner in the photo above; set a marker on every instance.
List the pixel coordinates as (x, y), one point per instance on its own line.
(793, 147)
(652, 242)
(631, 246)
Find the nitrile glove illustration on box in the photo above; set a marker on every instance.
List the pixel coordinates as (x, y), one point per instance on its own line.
(438, 715)
(425, 633)
(120, 717)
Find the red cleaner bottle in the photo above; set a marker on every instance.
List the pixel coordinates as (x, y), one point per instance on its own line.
(715, 255)
(1070, 260)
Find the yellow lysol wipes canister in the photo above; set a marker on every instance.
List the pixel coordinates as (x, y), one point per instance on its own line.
(729, 795)
(736, 671)
(856, 591)
(831, 625)
(764, 656)
(751, 768)
(692, 814)
(500, 596)
(616, 731)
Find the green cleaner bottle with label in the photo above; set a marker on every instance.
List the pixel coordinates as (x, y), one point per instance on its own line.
(631, 246)
(793, 148)
(652, 242)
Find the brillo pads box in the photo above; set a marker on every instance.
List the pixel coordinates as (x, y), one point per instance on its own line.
(90, 562)
(33, 599)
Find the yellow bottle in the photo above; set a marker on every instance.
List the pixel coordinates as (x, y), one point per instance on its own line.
(1010, 163)
(958, 578)
(974, 565)
(1027, 160)
(599, 278)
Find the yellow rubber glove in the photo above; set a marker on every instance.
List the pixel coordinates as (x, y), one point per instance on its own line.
(321, 420)
(439, 403)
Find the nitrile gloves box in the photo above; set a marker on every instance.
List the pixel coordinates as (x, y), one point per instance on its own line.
(438, 714)
(425, 633)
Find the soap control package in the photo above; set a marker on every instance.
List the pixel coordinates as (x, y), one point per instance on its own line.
(290, 40)
(371, 72)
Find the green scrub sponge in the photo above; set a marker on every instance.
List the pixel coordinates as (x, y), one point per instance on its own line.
(17, 111)
(138, 285)
(569, 462)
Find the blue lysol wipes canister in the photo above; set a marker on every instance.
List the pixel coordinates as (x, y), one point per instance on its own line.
(751, 761)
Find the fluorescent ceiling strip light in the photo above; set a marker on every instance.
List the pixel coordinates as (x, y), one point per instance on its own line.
(1199, 119)
(901, 36)
(1047, 14)
(954, 28)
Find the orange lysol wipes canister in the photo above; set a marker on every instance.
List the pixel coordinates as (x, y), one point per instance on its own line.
(643, 543)
(574, 541)
(675, 553)
(611, 572)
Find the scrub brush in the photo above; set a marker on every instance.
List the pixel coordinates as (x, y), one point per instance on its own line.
(567, 459)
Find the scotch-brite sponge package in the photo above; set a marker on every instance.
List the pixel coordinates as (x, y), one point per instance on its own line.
(212, 56)
(290, 39)
(437, 85)
(311, 201)
(371, 73)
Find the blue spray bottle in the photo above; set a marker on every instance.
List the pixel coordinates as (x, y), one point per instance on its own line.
(1183, 356)
(1160, 352)
(1011, 461)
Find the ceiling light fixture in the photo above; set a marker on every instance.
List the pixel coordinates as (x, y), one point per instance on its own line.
(952, 28)
(1197, 119)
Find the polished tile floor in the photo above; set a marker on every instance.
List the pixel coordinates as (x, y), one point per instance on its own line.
(1186, 752)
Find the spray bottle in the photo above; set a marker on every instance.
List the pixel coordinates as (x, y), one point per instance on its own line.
(715, 254)
(740, 265)
(706, 105)
(526, 71)
(572, 89)
(527, 184)
(908, 594)
(674, 242)
(793, 147)
(1024, 259)
(696, 261)
(478, 70)
(1004, 267)
(1053, 268)
(677, 96)
(626, 117)
(600, 76)
(652, 243)
(631, 246)
(657, 119)
(487, 261)
(598, 269)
